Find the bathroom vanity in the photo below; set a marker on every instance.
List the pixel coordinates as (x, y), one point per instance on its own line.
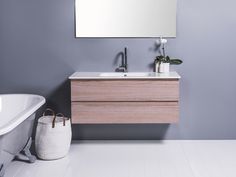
(124, 98)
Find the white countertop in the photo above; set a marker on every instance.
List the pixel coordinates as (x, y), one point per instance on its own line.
(129, 75)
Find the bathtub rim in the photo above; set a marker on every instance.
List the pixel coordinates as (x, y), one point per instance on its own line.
(23, 115)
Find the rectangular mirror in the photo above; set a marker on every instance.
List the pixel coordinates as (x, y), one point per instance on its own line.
(125, 18)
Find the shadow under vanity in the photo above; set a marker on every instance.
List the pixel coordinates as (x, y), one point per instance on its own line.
(124, 98)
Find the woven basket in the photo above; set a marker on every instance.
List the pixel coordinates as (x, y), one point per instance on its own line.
(53, 136)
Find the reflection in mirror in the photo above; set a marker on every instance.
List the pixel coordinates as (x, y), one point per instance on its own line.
(125, 18)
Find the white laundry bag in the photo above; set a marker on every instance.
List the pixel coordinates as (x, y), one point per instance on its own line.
(53, 136)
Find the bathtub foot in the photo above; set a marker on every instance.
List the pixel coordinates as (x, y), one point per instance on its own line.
(2, 170)
(27, 153)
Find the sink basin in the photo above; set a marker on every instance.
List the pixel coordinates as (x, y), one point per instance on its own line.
(130, 74)
(127, 75)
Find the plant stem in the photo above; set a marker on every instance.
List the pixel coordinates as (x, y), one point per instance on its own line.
(163, 48)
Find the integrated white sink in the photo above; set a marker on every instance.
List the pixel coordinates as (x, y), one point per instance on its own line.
(127, 75)
(130, 74)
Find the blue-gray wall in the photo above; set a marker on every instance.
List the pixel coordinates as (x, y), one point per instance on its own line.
(38, 51)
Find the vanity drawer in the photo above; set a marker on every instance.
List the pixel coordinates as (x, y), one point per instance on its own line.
(124, 112)
(125, 90)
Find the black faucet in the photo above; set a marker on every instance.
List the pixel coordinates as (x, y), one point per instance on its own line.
(124, 62)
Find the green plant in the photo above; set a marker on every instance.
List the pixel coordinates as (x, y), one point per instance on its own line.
(166, 59)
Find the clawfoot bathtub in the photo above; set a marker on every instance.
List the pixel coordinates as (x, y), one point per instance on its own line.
(17, 114)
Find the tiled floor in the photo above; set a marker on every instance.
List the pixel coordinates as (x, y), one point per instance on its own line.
(137, 159)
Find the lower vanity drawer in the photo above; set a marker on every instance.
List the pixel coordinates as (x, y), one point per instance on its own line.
(124, 112)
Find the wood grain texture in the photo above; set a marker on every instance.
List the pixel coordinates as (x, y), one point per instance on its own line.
(124, 112)
(125, 90)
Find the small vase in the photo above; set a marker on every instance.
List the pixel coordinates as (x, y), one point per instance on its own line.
(163, 67)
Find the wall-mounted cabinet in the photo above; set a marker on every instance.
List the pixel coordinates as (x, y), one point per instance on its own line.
(118, 101)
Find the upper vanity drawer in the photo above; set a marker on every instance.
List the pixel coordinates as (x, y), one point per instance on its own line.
(125, 90)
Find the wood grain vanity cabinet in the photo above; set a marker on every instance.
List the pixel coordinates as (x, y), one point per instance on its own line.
(124, 101)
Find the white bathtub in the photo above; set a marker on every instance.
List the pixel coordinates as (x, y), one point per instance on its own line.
(17, 114)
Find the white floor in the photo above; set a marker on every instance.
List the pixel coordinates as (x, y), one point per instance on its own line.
(137, 159)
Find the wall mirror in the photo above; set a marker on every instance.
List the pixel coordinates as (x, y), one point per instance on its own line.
(125, 18)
